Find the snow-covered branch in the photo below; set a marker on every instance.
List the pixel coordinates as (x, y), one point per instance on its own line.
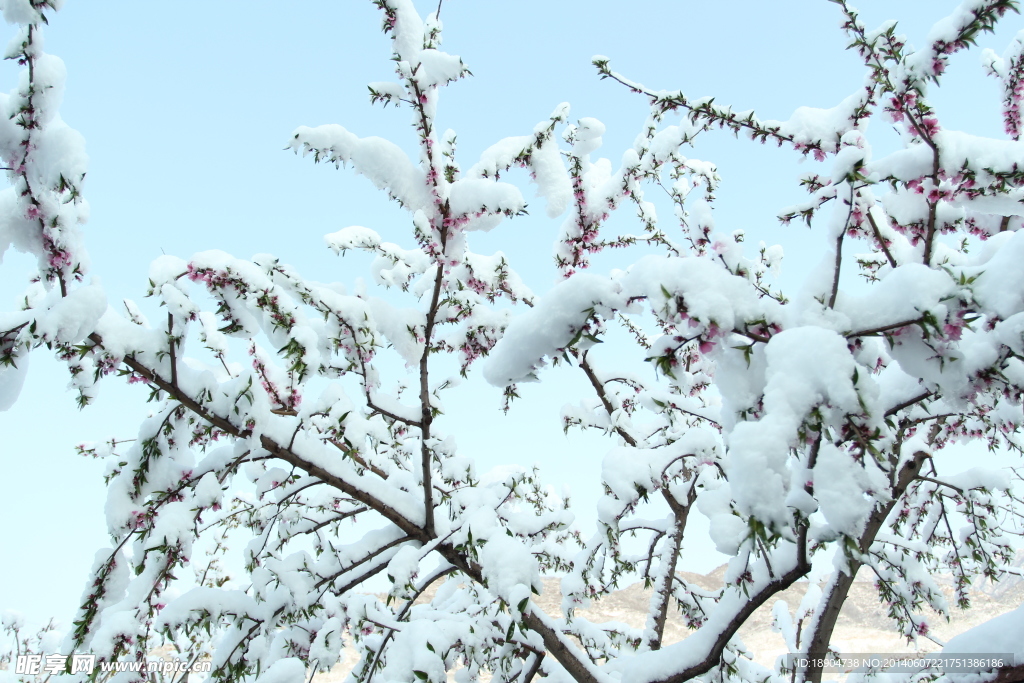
(806, 429)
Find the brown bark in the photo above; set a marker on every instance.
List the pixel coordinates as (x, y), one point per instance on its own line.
(840, 586)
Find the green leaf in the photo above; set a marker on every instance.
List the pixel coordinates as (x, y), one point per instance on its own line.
(575, 339)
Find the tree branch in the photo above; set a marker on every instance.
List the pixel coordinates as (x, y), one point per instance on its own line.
(838, 267)
(401, 615)
(275, 448)
(743, 612)
(365, 558)
(881, 240)
(663, 587)
(832, 602)
(909, 402)
(882, 328)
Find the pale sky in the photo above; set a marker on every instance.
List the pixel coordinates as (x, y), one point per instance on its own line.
(186, 108)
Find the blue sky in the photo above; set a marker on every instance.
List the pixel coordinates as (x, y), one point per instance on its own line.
(186, 108)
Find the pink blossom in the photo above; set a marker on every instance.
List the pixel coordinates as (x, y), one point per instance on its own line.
(59, 258)
(930, 126)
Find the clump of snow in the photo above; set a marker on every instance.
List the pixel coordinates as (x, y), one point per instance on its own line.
(807, 367)
(12, 379)
(19, 12)
(381, 161)
(846, 490)
(506, 564)
(999, 635)
(1000, 286)
(74, 317)
(288, 670)
(546, 328)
